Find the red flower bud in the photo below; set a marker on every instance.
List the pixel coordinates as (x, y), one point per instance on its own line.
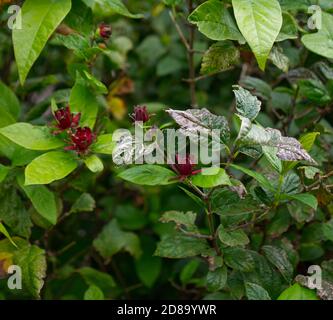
(184, 166)
(105, 31)
(65, 119)
(140, 114)
(81, 140)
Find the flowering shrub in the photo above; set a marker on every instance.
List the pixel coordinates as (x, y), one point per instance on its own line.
(168, 154)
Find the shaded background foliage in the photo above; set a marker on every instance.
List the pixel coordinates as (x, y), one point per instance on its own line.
(107, 229)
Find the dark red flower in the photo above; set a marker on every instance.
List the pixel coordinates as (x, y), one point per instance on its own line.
(140, 114)
(105, 31)
(81, 140)
(185, 166)
(65, 119)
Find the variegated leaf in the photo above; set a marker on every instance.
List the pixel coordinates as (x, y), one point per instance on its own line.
(193, 121)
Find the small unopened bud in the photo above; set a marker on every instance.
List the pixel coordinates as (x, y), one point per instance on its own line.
(105, 31)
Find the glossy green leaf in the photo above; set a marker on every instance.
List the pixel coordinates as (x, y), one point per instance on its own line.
(149, 175)
(215, 21)
(83, 100)
(39, 20)
(50, 167)
(104, 144)
(32, 137)
(94, 163)
(305, 198)
(115, 6)
(211, 177)
(43, 200)
(297, 292)
(260, 22)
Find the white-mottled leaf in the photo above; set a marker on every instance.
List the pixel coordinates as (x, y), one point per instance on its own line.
(247, 105)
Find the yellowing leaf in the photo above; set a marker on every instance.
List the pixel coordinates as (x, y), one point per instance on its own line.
(117, 107)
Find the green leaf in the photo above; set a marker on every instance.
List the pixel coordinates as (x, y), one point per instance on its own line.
(85, 203)
(247, 105)
(97, 278)
(148, 269)
(116, 6)
(187, 273)
(83, 100)
(289, 28)
(215, 21)
(232, 238)
(149, 175)
(112, 239)
(320, 42)
(279, 59)
(219, 57)
(260, 22)
(238, 259)
(94, 293)
(50, 167)
(6, 118)
(177, 246)
(310, 251)
(181, 219)
(217, 279)
(263, 181)
(39, 20)
(9, 101)
(328, 230)
(75, 42)
(43, 200)
(13, 212)
(227, 202)
(305, 198)
(256, 292)
(4, 231)
(297, 292)
(94, 163)
(31, 137)
(32, 261)
(279, 259)
(3, 172)
(211, 177)
(104, 144)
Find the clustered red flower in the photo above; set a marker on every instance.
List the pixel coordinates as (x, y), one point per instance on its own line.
(105, 31)
(65, 119)
(80, 138)
(140, 114)
(185, 166)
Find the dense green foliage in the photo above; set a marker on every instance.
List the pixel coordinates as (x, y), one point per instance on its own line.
(81, 226)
